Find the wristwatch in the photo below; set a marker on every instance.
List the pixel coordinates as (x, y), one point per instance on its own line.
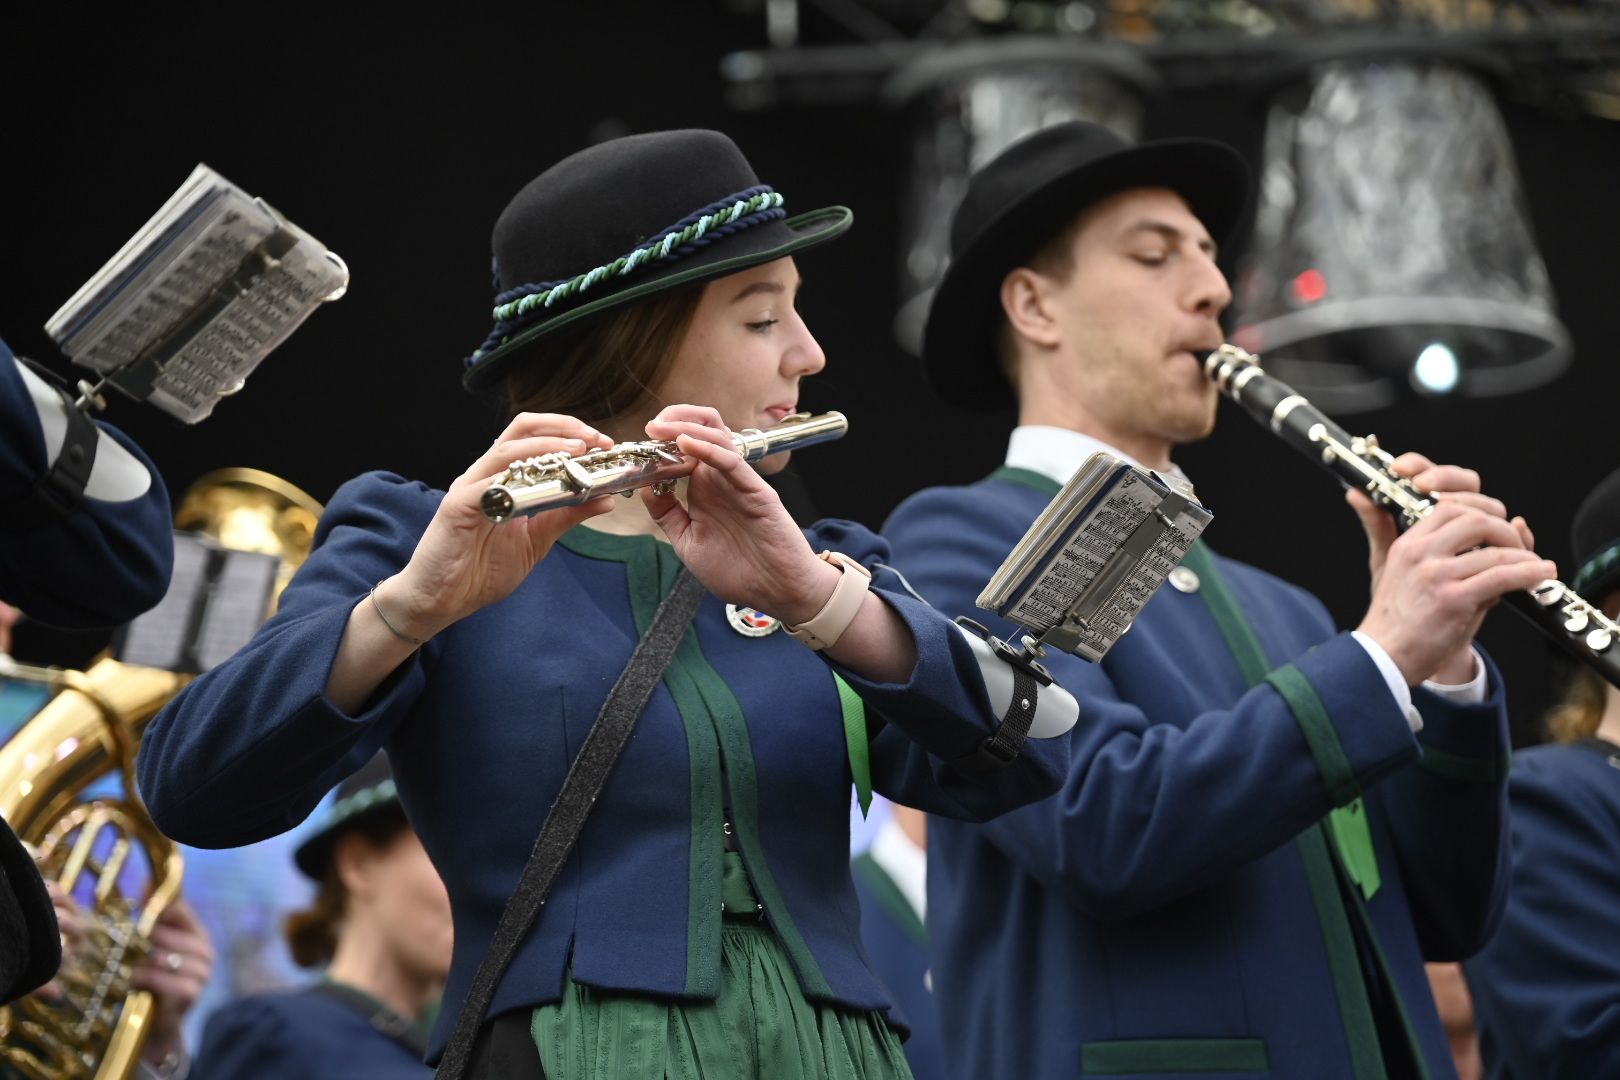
(828, 625)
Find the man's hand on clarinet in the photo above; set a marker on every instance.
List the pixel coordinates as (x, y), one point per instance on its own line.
(1433, 584)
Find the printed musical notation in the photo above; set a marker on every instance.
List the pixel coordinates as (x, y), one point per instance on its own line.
(197, 298)
(1095, 556)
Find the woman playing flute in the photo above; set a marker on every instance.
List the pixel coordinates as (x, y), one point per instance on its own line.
(706, 924)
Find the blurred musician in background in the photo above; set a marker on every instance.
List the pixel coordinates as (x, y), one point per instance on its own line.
(379, 927)
(1547, 988)
(1267, 825)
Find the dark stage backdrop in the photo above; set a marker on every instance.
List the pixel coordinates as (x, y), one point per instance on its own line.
(397, 140)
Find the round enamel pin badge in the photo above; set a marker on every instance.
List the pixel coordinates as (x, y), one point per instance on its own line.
(750, 623)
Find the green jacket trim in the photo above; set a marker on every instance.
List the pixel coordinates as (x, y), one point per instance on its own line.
(889, 896)
(718, 751)
(1361, 912)
(1027, 478)
(1124, 1057)
(732, 728)
(1344, 965)
(1229, 618)
(1296, 690)
(1469, 770)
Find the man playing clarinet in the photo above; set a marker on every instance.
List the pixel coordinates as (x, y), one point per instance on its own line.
(1268, 825)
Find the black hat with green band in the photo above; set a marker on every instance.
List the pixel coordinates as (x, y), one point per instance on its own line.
(624, 220)
(367, 795)
(1595, 537)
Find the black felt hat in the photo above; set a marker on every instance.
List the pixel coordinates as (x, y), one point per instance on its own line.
(1025, 196)
(30, 945)
(1595, 539)
(367, 795)
(623, 220)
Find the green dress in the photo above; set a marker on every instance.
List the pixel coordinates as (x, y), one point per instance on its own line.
(760, 1025)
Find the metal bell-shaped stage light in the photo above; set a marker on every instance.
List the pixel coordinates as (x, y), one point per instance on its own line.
(966, 104)
(1391, 247)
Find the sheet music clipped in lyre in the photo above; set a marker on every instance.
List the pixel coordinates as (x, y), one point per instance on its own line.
(1096, 555)
(185, 310)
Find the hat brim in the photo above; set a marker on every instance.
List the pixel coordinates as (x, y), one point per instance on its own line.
(314, 855)
(959, 338)
(750, 248)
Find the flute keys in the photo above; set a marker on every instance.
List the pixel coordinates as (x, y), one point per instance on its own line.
(1577, 622)
(1599, 640)
(1546, 593)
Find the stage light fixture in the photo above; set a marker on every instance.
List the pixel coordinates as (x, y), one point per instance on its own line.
(1391, 244)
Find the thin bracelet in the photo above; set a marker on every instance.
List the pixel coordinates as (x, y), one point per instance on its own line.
(392, 629)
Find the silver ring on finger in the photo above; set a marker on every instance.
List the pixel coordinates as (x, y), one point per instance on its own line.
(172, 961)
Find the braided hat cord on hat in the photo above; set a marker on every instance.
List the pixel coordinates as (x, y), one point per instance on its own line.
(591, 235)
(516, 307)
(368, 794)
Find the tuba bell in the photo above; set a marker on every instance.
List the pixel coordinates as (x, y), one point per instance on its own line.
(67, 788)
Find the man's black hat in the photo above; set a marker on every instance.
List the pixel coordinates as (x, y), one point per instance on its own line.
(1020, 200)
(626, 219)
(1595, 539)
(30, 943)
(365, 796)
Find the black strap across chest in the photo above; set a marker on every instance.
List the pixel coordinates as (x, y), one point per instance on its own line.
(566, 819)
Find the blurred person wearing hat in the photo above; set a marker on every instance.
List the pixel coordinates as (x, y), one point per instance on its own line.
(1267, 825)
(380, 927)
(85, 542)
(706, 924)
(1546, 989)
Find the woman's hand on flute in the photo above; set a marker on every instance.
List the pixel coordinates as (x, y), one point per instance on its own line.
(734, 533)
(463, 560)
(737, 537)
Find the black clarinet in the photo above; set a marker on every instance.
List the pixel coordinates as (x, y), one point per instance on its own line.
(1579, 627)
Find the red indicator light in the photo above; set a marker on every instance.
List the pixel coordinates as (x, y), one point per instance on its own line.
(1309, 287)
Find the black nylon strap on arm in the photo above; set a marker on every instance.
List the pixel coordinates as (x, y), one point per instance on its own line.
(61, 489)
(1001, 749)
(566, 818)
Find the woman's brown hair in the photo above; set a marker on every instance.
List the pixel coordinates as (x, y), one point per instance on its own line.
(608, 366)
(312, 934)
(1579, 714)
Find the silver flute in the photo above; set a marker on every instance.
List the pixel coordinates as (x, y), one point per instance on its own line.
(1575, 624)
(558, 479)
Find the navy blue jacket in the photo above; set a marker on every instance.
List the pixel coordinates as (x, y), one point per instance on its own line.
(482, 722)
(100, 566)
(1174, 911)
(304, 1035)
(897, 942)
(1546, 989)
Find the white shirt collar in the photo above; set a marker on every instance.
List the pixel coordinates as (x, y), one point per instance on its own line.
(1056, 452)
(904, 862)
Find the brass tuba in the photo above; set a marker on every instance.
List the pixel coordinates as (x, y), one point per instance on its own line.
(100, 845)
